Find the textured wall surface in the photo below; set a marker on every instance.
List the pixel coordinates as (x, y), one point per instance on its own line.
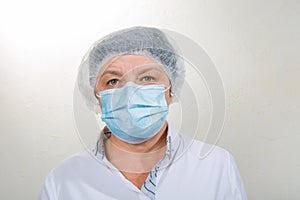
(254, 44)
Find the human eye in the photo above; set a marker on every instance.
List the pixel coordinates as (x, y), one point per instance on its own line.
(148, 79)
(113, 82)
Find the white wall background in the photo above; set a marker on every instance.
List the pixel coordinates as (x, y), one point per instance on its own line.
(254, 44)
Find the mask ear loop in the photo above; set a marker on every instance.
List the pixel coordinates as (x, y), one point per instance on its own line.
(169, 88)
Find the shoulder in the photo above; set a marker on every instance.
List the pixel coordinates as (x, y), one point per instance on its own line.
(201, 152)
(81, 176)
(67, 172)
(69, 169)
(216, 166)
(74, 164)
(196, 151)
(204, 160)
(210, 168)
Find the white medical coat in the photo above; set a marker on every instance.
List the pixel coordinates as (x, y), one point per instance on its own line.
(83, 177)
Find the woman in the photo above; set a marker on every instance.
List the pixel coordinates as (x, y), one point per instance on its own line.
(131, 77)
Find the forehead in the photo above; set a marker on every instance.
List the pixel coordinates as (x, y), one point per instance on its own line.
(126, 63)
(133, 60)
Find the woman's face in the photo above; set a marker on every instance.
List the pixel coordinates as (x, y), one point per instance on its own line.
(132, 68)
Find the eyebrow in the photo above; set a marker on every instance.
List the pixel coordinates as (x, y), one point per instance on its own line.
(118, 73)
(148, 69)
(113, 72)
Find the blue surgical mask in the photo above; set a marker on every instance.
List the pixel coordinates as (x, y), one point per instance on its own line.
(134, 113)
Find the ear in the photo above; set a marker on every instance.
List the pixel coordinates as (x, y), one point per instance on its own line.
(98, 99)
(168, 96)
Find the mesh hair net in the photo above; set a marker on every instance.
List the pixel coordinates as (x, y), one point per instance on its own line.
(146, 41)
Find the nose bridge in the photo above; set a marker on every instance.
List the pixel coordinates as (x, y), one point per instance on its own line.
(129, 76)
